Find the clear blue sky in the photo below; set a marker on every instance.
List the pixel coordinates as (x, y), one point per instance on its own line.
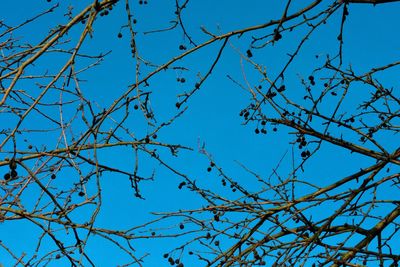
(212, 118)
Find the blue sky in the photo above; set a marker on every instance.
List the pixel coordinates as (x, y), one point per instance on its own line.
(212, 117)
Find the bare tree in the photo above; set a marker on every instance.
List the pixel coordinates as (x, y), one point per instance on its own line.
(56, 138)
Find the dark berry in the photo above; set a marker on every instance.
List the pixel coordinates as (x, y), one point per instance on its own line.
(182, 184)
(277, 36)
(181, 226)
(7, 176)
(119, 35)
(14, 174)
(209, 169)
(249, 53)
(81, 193)
(53, 176)
(257, 131)
(136, 107)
